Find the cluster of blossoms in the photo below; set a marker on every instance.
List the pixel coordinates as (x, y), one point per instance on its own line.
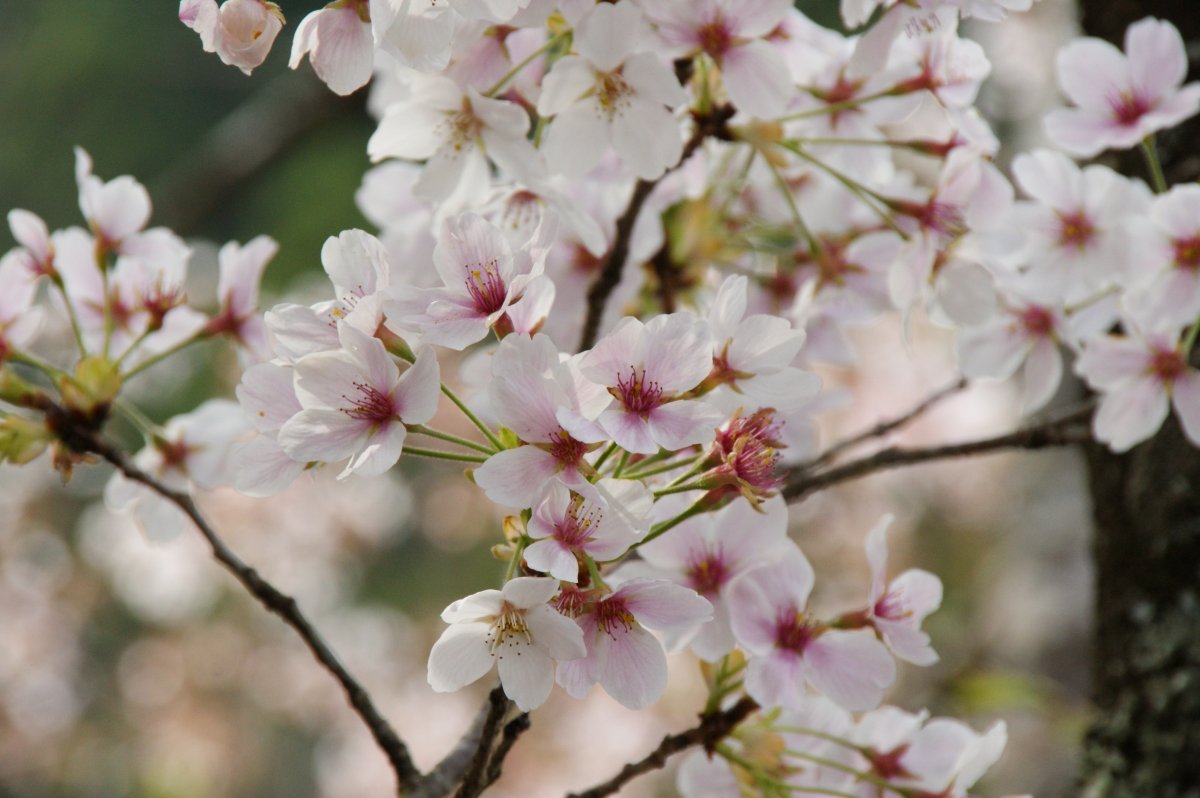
(722, 189)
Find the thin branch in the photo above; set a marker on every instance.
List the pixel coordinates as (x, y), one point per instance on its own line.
(475, 745)
(886, 427)
(472, 782)
(1061, 431)
(712, 729)
(83, 439)
(610, 273)
(512, 730)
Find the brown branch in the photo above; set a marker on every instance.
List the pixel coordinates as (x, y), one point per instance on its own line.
(512, 730)
(83, 439)
(1068, 429)
(473, 747)
(712, 729)
(712, 124)
(472, 781)
(886, 427)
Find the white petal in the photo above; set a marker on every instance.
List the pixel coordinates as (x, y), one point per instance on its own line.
(459, 657)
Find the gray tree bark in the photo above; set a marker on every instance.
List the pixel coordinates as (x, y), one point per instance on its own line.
(1145, 739)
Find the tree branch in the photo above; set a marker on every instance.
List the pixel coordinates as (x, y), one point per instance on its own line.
(81, 438)
(712, 124)
(885, 427)
(1068, 429)
(712, 729)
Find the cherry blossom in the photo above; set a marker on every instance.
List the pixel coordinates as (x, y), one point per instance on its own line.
(241, 32)
(240, 271)
(267, 395)
(1120, 98)
(897, 608)
(357, 403)
(627, 661)
(645, 367)
(566, 526)
(338, 41)
(1171, 244)
(788, 647)
(517, 630)
(613, 92)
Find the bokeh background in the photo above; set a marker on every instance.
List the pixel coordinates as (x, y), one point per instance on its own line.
(132, 668)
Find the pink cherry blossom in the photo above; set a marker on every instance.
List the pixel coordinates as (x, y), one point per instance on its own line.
(17, 323)
(1172, 249)
(645, 367)
(613, 92)
(896, 609)
(36, 250)
(551, 407)
(730, 33)
(267, 395)
(627, 661)
(1120, 98)
(567, 526)
(240, 272)
(787, 647)
(513, 628)
(338, 41)
(240, 32)
(1140, 377)
(357, 403)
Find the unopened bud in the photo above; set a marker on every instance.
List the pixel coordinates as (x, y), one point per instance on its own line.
(22, 439)
(97, 382)
(503, 551)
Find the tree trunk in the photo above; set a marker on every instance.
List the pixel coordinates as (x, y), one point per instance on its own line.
(1145, 739)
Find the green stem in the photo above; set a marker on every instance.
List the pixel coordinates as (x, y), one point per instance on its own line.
(621, 463)
(607, 453)
(865, 194)
(1152, 161)
(814, 246)
(518, 555)
(761, 777)
(636, 473)
(594, 572)
(510, 74)
(135, 416)
(698, 466)
(820, 735)
(72, 317)
(833, 108)
(479, 425)
(684, 488)
(429, 432)
(438, 454)
(1190, 339)
(663, 526)
(833, 764)
(163, 355)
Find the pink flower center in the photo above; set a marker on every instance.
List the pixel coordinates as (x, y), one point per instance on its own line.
(793, 632)
(1187, 252)
(1166, 366)
(709, 575)
(891, 607)
(887, 765)
(612, 613)
(570, 601)
(1075, 230)
(369, 404)
(579, 524)
(715, 37)
(566, 449)
(637, 395)
(1037, 321)
(486, 286)
(1129, 107)
(749, 446)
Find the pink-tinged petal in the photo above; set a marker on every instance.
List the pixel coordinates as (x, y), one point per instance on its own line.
(418, 40)
(577, 676)
(381, 451)
(1050, 177)
(1185, 396)
(407, 130)
(322, 435)
(877, 556)
(19, 287)
(456, 333)
(754, 18)
(908, 643)
(552, 557)
(322, 380)
(1172, 297)
(340, 47)
(516, 477)
(662, 605)
(714, 639)
(484, 605)
(786, 390)
(559, 635)
(354, 260)
(776, 680)
(650, 78)
(763, 342)
(613, 354)
(466, 244)
(1043, 373)
(1109, 361)
(646, 137)
(675, 425)
(262, 468)
(757, 79)
(569, 79)
(979, 757)
(1083, 133)
(728, 308)
(677, 350)
(418, 389)
(241, 269)
(1090, 71)
(609, 34)
(529, 591)
(994, 350)
(934, 751)
(920, 590)
(635, 667)
(459, 657)
(201, 16)
(523, 402)
(119, 208)
(576, 139)
(850, 668)
(1157, 59)
(752, 615)
(30, 232)
(1130, 414)
(528, 678)
(629, 430)
(530, 311)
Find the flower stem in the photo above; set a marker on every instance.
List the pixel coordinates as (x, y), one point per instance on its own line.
(163, 355)
(438, 454)
(512, 73)
(1155, 165)
(479, 425)
(429, 432)
(607, 453)
(663, 526)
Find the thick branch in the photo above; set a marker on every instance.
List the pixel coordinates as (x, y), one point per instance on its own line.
(614, 263)
(712, 729)
(83, 439)
(1062, 431)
